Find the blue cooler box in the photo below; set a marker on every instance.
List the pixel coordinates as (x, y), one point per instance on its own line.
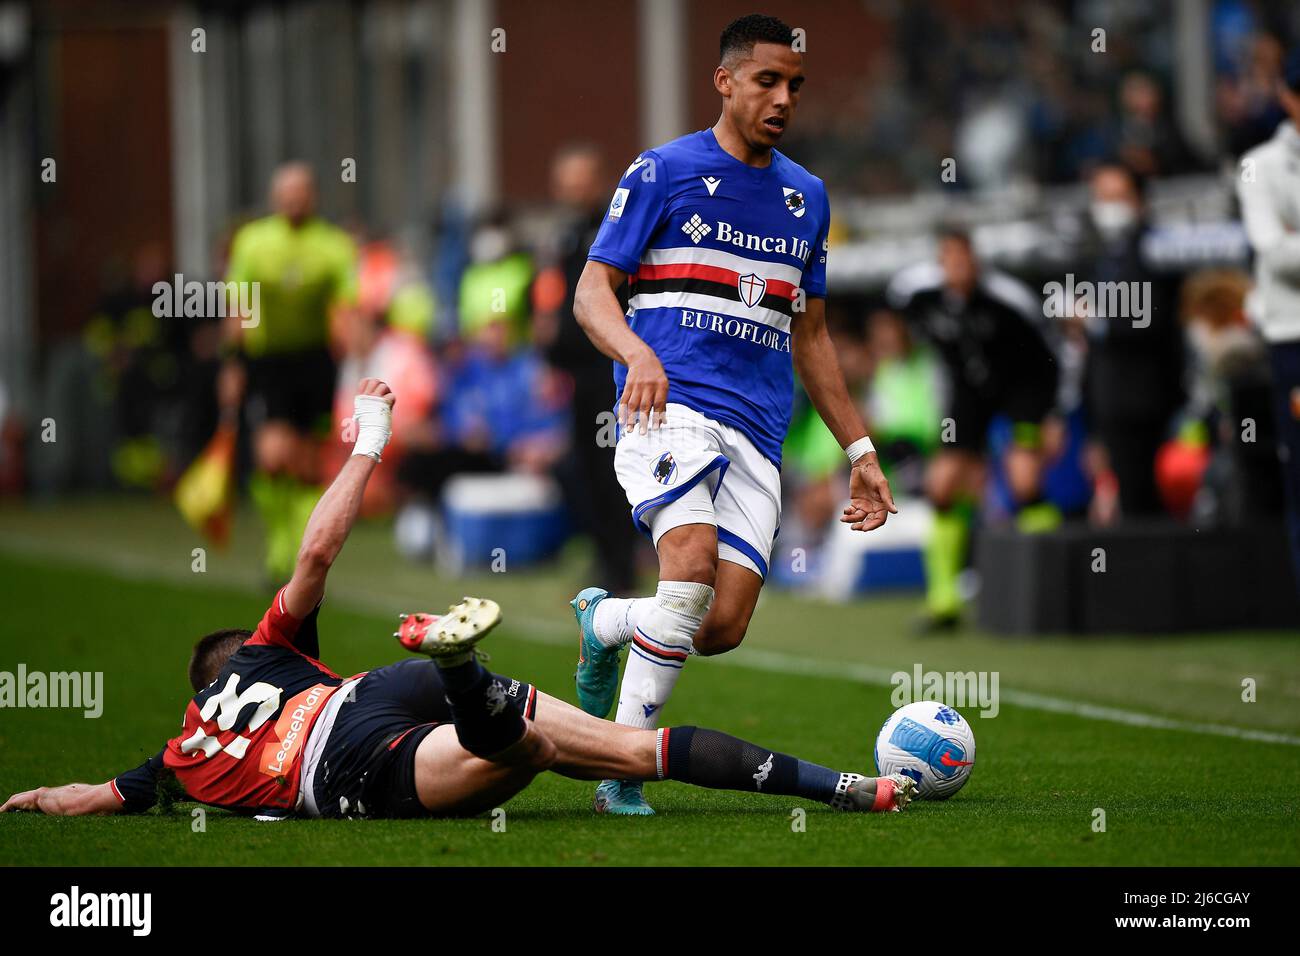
(517, 519)
(852, 563)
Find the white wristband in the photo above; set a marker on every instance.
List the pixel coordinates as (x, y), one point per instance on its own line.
(373, 418)
(859, 448)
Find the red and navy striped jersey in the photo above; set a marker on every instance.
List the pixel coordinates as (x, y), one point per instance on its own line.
(242, 738)
(720, 257)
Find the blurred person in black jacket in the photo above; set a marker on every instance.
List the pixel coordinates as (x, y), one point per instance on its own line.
(595, 499)
(987, 329)
(1135, 365)
(1150, 142)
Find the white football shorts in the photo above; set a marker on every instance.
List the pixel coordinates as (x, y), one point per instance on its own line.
(694, 470)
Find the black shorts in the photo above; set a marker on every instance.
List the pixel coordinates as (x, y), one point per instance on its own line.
(1026, 397)
(296, 387)
(367, 768)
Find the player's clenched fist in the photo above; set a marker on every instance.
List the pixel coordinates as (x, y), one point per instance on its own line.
(372, 413)
(380, 389)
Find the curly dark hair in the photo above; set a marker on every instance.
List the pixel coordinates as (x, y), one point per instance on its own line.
(740, 35)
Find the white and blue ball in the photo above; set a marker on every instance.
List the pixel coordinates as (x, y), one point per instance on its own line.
(931, 743)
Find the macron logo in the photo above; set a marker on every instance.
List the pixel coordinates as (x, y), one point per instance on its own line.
(72, 909)
(711, 183)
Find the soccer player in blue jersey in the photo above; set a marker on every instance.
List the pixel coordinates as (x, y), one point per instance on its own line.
(722, 241)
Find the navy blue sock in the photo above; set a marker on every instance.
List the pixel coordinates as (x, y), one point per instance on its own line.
(708, 758)
(486, 722)
(459, 677)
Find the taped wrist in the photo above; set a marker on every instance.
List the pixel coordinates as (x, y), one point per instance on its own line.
(373, 419)
(859, 448)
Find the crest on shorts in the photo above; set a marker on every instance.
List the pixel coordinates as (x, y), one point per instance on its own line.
(665, 469)
(751, 288)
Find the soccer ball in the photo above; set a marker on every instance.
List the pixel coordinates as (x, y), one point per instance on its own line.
(931, 743)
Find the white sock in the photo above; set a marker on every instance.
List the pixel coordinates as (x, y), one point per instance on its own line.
(616, 618)
(659, 649)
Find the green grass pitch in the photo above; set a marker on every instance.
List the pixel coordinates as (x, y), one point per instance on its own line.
(109, 586)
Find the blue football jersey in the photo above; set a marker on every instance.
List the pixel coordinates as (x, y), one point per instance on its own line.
(720, 256)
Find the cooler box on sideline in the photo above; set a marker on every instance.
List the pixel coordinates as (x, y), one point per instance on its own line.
(517, 519)
(851, 563)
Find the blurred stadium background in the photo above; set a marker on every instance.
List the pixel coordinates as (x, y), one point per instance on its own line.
(486, 138)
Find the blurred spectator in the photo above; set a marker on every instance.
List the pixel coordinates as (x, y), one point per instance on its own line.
(12, 454)
(495, 285)
(385, 338)
(140, 352)
(908, 393)
(502, 409)
(504, 402)
(596, 501)
(1149, 143)
(1007, 90)
(985, 328)
(1247, 95)
(1229, 402)
(1272, 215)
(1134, 376)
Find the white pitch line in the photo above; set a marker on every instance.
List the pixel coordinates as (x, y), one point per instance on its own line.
(553, 632)
(775, 661)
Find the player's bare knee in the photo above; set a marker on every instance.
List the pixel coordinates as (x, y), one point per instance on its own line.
(544, 753)
(731, 637)
(720, 637)
(697, 565)
(689, 553)
(533, 752)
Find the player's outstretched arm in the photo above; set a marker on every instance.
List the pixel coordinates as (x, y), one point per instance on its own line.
(870, 500)
(336, 512)
(70, 800)
(595, 306)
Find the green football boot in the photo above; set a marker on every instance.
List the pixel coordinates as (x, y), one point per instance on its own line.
(597, 674)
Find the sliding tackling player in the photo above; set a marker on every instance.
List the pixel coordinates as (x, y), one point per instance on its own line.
(271, 731)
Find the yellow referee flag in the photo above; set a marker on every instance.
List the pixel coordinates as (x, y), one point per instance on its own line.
(204, 493)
